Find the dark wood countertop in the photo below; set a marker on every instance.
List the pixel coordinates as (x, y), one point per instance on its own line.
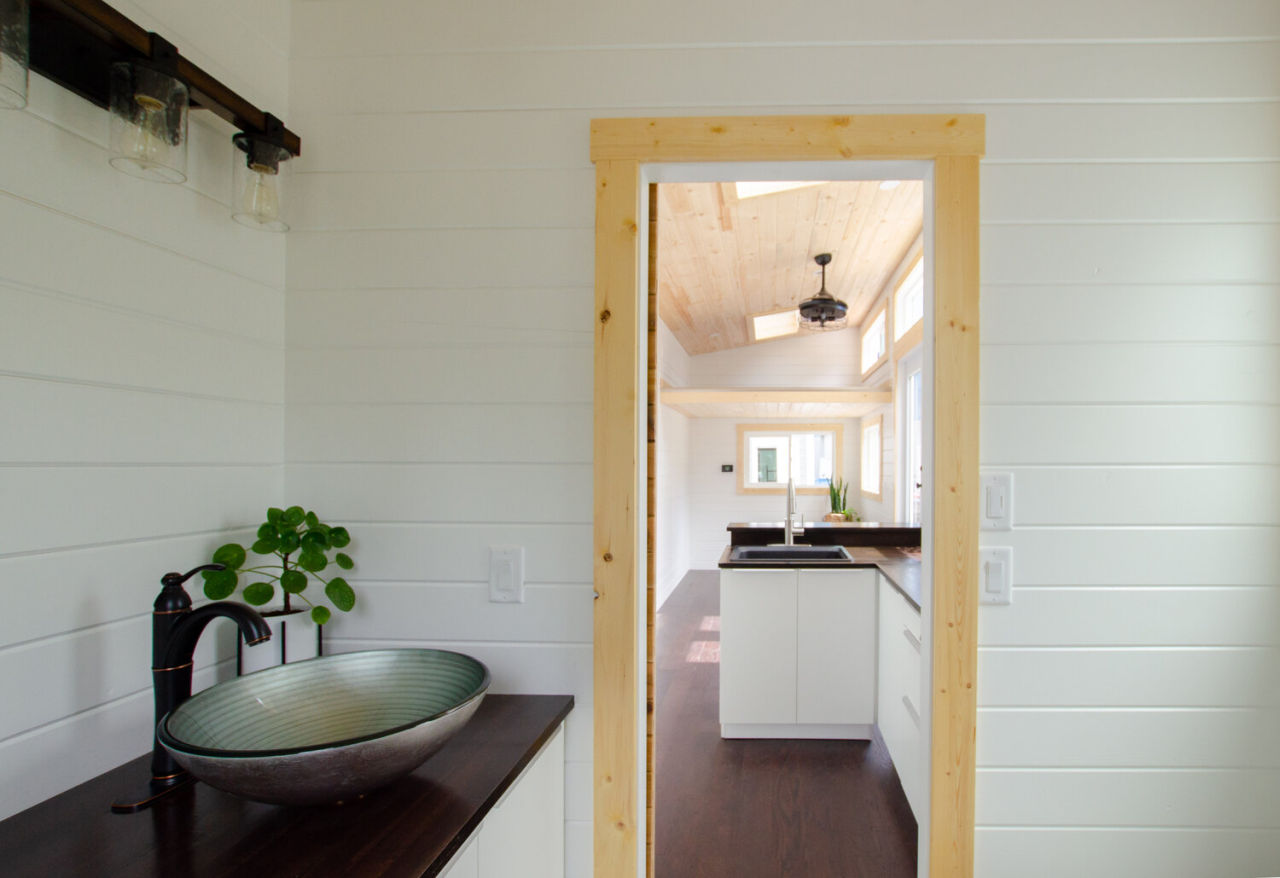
(410, 828)
(827, 533)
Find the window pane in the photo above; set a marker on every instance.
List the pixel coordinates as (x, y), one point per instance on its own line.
(908, 301)
(871, 458)
(873, 342)
(767, 464)
(772, 457)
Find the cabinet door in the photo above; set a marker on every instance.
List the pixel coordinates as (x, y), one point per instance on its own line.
(465, 864)
(836, 653)
(897, 711)
(524, 833)
(757, 646)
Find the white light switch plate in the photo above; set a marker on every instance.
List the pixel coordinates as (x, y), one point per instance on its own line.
(996, 497)
(506, 574)
(995, 574)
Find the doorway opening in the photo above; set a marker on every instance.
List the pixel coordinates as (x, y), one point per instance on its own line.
(624, 151)
(722, 252)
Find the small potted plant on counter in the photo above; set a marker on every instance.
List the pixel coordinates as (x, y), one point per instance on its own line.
(296, 546)
(838, 491)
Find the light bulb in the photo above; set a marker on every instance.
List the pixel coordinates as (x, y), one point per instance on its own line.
(147, 141)
(261, 200)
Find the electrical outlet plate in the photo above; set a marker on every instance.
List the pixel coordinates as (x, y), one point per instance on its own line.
(995, 574)
(996, 496)
(506, 574)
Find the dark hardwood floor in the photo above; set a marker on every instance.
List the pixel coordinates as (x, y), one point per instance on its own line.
(760, 809)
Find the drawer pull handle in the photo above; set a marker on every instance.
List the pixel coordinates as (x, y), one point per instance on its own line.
(911, 710)
(911, 638)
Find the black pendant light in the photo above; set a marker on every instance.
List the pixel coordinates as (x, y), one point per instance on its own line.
(823, 311)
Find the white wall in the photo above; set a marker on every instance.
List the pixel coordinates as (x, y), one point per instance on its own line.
(671, 471)
(672, 501)
(140, 357)
(808, 360)
(1130, 330)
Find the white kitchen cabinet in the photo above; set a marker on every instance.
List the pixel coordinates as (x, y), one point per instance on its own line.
(797, 653)
(523, 834)
(757, 647)
(836, 647)
(899, 696)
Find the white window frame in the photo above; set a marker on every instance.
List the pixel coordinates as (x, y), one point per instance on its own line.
(747, 430)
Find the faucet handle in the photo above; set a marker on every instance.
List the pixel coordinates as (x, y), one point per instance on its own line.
(171, 579)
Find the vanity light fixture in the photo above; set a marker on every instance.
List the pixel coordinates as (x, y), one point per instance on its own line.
(258, 178)
(149, 116)
(90, 48)
(13, 54)
(823, 312)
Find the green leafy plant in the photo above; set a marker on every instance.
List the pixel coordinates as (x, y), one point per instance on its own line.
(839, 493)
(298, 544)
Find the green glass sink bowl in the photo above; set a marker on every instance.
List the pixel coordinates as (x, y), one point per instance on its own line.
(327, 729)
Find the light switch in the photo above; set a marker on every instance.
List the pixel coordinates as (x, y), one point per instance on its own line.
(997, 501)
(995, 574)
(506, 574)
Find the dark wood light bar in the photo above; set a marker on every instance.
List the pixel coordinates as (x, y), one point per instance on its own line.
(74, 43)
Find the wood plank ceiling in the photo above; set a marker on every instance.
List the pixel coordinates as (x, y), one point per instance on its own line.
(722, 258)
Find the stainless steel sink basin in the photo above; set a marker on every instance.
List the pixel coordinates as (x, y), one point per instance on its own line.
(324, 730)
(790, 554)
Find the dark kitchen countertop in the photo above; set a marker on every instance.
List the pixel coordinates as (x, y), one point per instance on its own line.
(411, 828)
(901, 568)
(828, 533)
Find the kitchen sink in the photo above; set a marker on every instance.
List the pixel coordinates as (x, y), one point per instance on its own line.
(790, 554)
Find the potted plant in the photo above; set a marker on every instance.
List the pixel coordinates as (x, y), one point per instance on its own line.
(296, 546)
(838, 491)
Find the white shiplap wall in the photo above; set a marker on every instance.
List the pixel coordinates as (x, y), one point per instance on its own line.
(807, 360)
(671, 471)
(140, 357)
(439, 367)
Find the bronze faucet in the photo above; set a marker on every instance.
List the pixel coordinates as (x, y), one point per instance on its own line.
(175, 630)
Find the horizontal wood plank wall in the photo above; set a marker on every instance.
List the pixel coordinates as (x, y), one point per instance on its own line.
(1161, 175)
(141, 392)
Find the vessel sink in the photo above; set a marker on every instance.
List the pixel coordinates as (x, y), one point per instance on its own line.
(327, 729)
(794, 554)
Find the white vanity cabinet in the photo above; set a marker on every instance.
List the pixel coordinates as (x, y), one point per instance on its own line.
(797, 652)
(899, 696)
(523, 834)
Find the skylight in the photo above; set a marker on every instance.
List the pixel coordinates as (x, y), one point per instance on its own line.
(769, 187)
(774, 325)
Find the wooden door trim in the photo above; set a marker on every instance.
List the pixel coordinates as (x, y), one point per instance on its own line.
(619, 149)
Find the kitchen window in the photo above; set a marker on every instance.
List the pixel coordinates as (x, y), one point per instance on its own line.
(908, 301)
(872, 455)
(768, 455)
(875, 341)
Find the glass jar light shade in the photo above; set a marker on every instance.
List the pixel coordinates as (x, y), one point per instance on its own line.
(13, 54)
(148, 123)
(258, 183)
